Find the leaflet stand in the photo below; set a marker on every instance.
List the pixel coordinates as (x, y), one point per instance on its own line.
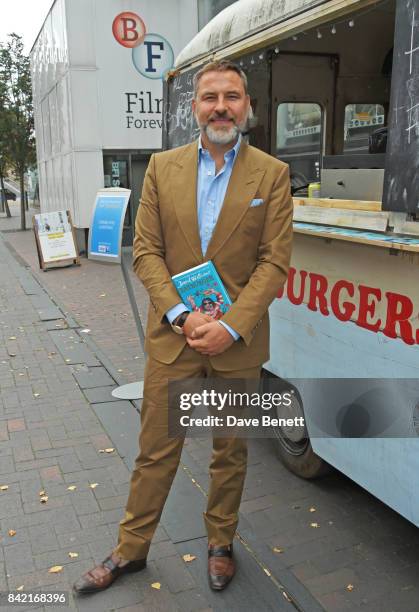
(105, 245)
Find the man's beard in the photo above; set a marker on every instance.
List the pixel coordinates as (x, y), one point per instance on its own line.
(222, 136)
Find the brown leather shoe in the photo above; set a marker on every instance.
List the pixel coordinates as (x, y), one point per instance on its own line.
(221, 566)
(104, 574)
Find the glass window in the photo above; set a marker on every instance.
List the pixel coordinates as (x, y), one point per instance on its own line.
(299, 141)
(361, 120)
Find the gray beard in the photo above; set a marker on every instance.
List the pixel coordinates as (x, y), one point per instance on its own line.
(221, 137)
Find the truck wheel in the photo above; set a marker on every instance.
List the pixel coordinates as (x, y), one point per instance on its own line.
(292, 444)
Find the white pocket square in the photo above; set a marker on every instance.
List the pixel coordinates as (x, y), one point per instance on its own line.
(256, 202)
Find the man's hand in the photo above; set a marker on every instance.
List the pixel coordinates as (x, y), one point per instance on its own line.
(210, 339)
(194, 320)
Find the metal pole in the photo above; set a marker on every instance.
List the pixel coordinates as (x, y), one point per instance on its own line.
(132, 300)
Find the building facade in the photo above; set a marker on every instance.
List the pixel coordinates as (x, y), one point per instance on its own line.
(97, 70)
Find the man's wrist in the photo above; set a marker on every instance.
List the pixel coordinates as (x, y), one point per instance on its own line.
(179, 322)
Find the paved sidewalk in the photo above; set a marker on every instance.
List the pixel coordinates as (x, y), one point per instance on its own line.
(62, 492)
(358, 541)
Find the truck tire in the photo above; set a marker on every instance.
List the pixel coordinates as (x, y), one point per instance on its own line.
(292, 445)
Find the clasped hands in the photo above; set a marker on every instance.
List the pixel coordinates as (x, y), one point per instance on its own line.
(205, 335)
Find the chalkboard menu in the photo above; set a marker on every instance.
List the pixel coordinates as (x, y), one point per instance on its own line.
(179, 126)
(401, 184)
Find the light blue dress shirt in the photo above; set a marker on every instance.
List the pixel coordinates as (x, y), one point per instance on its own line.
(211, 192)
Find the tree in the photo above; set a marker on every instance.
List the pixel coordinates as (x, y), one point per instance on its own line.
(16, 112)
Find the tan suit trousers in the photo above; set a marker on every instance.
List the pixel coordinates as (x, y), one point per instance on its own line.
(157, 463)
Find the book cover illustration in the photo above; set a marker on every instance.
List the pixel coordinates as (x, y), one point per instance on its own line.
(202, 290)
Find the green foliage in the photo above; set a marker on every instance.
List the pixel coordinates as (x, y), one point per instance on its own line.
(17, 137)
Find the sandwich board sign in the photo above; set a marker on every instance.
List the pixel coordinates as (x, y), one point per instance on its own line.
(55, 239)
(105, 235)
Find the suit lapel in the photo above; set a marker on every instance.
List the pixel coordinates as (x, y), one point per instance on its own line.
(183, 178)
(244, 182)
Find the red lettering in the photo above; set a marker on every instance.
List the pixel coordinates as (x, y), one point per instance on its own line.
(345, 312)
(318, 288)
(368, 308)
(297, 300)
(129, 28)
(399, 310)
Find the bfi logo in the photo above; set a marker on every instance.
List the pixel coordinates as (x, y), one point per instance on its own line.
(152, 55)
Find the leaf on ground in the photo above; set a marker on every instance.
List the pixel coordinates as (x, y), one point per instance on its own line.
(67, 360)
(188, 558)
(156, 585)
(102, 295)
(4, 487)
(72, 488)
(277, 550)
(267, 572)
(20, 588)
(36, 394)
(44, 499)
(55, 569)
(73, 555)
(109, 450)
(314, 525)
(120, 370)
(11, 532)
(41, 493)
(12, 354)
(93, 485)
(350, 587)
(312, 509)
(12, 338)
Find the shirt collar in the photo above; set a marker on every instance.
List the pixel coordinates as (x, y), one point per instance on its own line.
(231, 152)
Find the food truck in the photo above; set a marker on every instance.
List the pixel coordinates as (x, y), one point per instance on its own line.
(334, 88)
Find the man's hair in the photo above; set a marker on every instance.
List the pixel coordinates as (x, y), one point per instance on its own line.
(218, 66)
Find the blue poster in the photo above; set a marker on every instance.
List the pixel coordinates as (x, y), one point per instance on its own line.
(107, 224)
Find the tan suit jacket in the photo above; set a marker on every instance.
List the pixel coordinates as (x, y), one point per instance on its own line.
(250, 247)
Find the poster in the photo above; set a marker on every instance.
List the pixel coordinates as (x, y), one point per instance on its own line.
(55, 235)
(105, 236)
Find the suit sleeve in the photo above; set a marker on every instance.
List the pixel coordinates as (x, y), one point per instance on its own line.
(270, 273)
(148, 250)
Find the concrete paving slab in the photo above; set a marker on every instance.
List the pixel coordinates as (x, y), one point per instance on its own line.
(87, 378)
(72, 348)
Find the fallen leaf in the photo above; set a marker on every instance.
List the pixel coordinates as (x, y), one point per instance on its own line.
(12, 354)
(44, 499)
(156, 585)
(93, 485)
(136, 357)
(42, 493)
(120, 370)
(20, 588)
(314, 525)
(36, 394)
(109, 450)
(312, 509)
(188, 558)
(101, 450)
(12, 338)
(55, 569)
(267, 572)
(67, 360)
(350, 587)
(72, 488)
(73, 555)
(84, 331)
(102, 295)
(11, 533)
(4, 487)
(278, 550)
(287, 597)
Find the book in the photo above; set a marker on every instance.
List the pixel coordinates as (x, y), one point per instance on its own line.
(201, 289)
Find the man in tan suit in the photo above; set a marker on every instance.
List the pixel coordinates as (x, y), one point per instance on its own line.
(222, 200)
